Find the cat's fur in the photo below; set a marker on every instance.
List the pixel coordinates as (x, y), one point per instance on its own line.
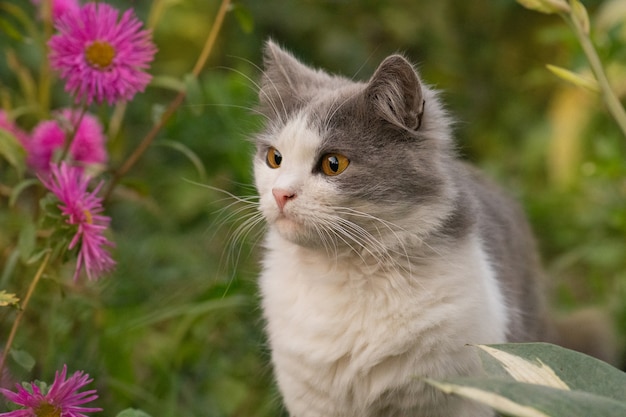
(380, 276)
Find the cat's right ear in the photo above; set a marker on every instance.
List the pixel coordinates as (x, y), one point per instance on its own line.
(285, 81)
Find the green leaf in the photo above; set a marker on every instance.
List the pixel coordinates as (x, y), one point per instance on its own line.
(187, 152)
(546, 6)
(23, 359)
(195, 99)
(244, 18)
(12, 151)
(577, 370)
(532, 371)
(26, 240)
(8, 299)
(132, 412)
(19, 188)
(34, 258)
(11, 31)
(192, 309)
(530, 400)
(26, 19)
(9, 267)
(168, 83)
(572, 77)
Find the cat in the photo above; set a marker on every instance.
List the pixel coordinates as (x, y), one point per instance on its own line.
(385, 254)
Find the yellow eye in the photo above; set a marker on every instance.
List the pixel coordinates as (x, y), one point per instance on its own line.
(273, 158)
(334, 164)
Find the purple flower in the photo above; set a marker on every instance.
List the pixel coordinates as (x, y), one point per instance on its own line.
(60, 7)
(61, 400)
(100, 57)
(82, 209)
(88, 145)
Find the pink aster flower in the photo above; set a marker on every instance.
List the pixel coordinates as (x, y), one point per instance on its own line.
(60, 7)
(61, 400)
(87, 148)
(82, 209)
(100, 57)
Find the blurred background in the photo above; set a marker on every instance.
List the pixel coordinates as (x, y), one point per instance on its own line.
(177, 329)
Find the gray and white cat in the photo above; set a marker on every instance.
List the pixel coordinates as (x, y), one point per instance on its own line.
(385, 254)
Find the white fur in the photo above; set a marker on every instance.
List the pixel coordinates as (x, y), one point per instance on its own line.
(352, 335)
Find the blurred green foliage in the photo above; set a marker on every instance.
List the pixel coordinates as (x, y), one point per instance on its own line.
(177, 329)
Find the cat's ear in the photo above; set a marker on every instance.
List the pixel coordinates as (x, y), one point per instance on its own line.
(286, 81)
(396, 94)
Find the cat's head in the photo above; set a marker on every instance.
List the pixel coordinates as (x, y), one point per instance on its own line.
(344, 164)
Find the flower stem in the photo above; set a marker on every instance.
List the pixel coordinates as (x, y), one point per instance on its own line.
(71, 135)
(610, 99)
(20, 314)
(178, 100)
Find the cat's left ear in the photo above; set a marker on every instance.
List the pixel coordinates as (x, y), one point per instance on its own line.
(395, 92)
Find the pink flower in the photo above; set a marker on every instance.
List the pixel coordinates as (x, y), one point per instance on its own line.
(60, 7)
(61, 400)
(88, 145)
(82, 209)
(100, 57)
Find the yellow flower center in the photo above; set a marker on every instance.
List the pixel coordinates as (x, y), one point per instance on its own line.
(47, 410)
(88, 216)
(100, 54)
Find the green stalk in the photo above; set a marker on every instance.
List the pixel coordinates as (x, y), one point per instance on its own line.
(174, 105)
(20, 314)
(610, 99)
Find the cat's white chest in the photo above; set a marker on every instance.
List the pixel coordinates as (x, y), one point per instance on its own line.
(347, 337)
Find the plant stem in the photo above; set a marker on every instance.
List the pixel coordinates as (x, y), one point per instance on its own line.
(20, 314)
(178, 100)
(71, 135)
(610, 99)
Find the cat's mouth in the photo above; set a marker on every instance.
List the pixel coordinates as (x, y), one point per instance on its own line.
(287, 223)
(294, 229)
(290, 229)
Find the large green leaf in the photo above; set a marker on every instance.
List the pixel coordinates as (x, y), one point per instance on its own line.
(541, 380)
(532, 400)
(578, 371)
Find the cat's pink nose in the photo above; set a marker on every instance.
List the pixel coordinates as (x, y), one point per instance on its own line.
(282, 197)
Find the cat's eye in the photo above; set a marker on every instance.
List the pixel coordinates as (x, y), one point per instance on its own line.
(334, 164)
(273, 158)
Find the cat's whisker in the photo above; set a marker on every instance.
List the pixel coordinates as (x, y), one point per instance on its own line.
(231, 106)
(242, 234)
(330, 111)
(391, 227)
(220, 190)
(256, 85)
(329, 116)
(264, 93)
(281, 116)
(352, 234)
(349, 239)
(329, 244)
(395, 229)
(242, 215)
